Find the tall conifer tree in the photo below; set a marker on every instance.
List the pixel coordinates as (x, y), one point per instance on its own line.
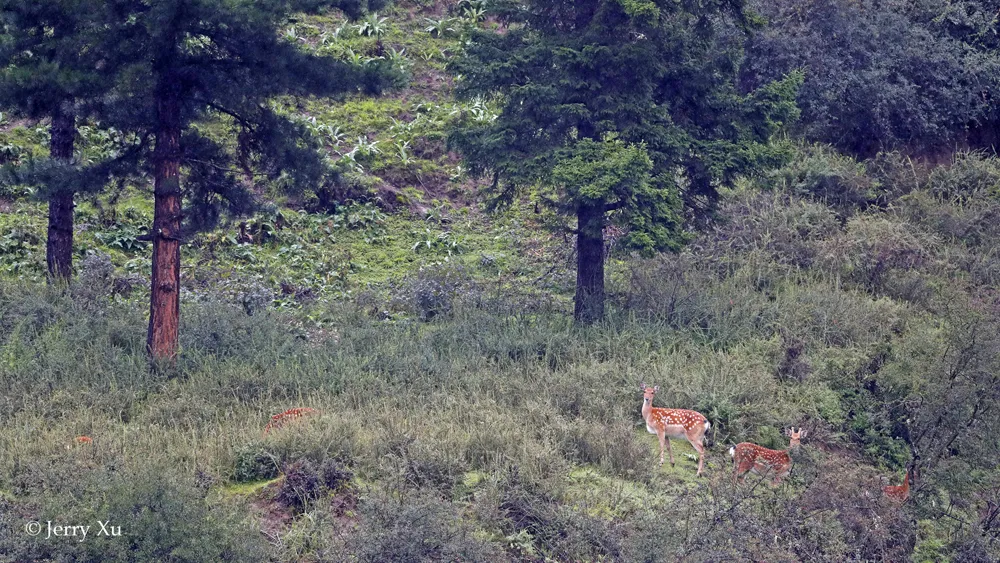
(616, 110)
(45, 72)
(181, 61)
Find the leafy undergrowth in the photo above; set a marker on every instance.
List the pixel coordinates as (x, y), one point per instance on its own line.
(390, 149)
(456, 421)
(459, 415)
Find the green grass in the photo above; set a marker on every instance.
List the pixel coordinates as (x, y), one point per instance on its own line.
(247, 489)
(435, 342)
(499, 408)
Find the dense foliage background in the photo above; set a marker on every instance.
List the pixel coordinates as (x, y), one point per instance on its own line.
(459, 413)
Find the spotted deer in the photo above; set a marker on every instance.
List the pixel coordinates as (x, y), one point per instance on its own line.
(751, 457)
(900, 492)
(674, 423)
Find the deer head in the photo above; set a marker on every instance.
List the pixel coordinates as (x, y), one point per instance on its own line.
(648, 392)
(795, 437)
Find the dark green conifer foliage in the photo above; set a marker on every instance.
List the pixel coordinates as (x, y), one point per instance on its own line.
(617, 110)
(46, 71)
(178, 62)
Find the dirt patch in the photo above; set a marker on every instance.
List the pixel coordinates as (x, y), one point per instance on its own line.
(15, 123)
(276, 518)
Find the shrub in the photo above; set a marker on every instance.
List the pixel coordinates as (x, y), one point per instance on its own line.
(782, 225)
(335, 476)
(160, 517)
(839, 516)
(524, 509)
(433, 291)
(300, 487)
(825, 176)
(254, 463)
(424, 464)
(217, 330)
(613, 447)
(793, 365)
(872, 248)
(877, 74)
(959, 202)
(255, 298)
(971, 175)
(418, 527)
(94, 282)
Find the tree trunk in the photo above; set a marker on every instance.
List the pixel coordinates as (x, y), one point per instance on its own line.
(164, 308)
(589, 302)
(59, 245)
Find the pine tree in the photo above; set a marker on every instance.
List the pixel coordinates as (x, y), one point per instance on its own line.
(181, 61)
(44, 72)
(616, 110)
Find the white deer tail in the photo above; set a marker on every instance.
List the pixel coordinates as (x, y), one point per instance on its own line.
(707, 425)
(732, 451)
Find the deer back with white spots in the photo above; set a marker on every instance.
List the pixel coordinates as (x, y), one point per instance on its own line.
(674, 423)
(749, 457)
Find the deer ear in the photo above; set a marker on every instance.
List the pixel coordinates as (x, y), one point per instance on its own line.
(655, 389)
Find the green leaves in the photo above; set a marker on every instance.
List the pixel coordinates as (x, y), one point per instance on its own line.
(593, 172)
(440, 27)
(644, 11)
(373, 26)
(632, 104)
(880, 75)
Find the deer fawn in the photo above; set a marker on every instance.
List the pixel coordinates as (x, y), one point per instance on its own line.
(900, 492)
(674, 423)
(751, 457)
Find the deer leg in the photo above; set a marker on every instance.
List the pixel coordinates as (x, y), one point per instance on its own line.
(669, 451)
(701, 454)
(739, 471)
(663, 439)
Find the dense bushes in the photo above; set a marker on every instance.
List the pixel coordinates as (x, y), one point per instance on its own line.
(417, 527)
(156, 515)
(879, 75)
(885, 320)
(494, 431)
(459, 414)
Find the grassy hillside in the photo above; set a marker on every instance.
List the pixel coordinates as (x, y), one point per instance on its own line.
(458, 414)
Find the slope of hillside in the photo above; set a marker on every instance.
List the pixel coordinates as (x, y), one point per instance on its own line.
(450, 408)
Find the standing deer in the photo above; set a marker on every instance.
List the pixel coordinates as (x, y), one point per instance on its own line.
(751, 457)
(900, 492)
(674, 423)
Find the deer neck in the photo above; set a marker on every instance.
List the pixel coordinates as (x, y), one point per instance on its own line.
(647, 407)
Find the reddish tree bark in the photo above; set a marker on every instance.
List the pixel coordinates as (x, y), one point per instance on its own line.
(164, 307)
(59, 245)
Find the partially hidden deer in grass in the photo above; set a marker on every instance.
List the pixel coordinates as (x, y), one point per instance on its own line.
(280, 419)
(674, 423)
(749, 457)
(900, 492)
